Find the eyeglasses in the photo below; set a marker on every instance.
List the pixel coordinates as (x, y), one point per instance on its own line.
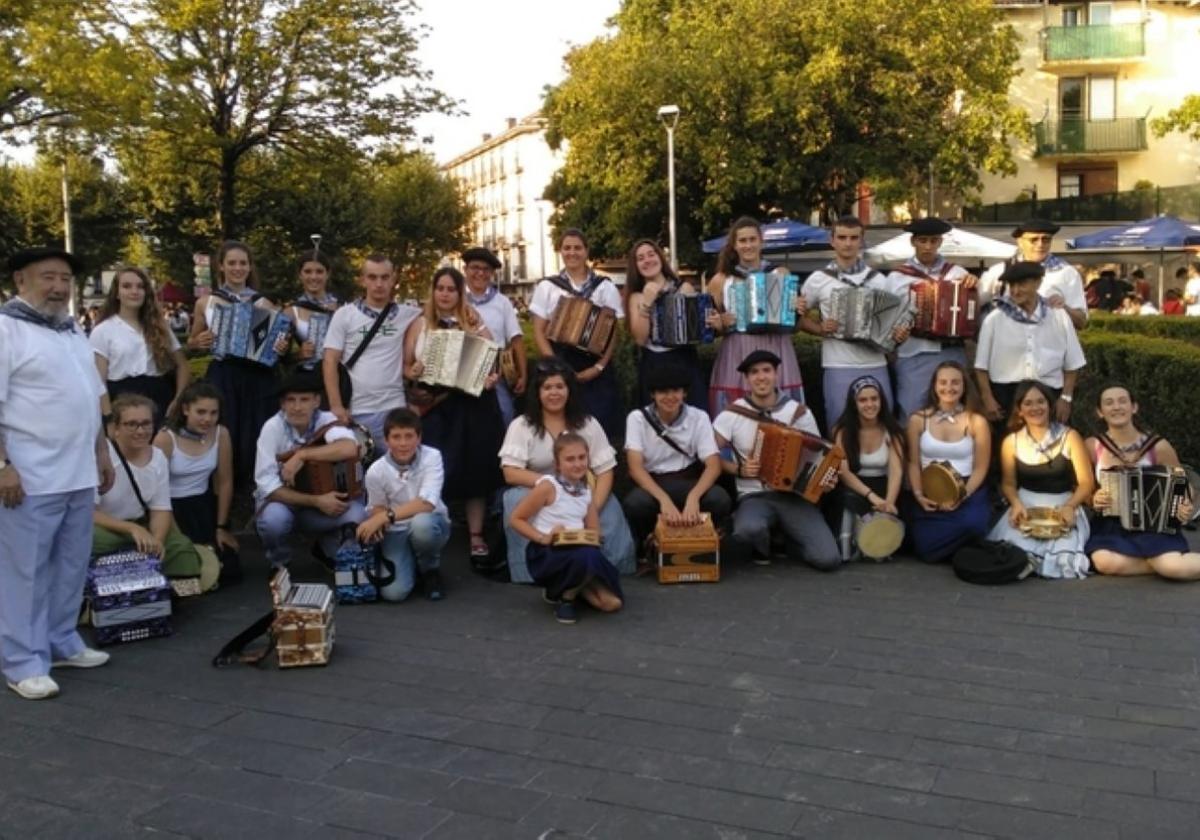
(137, 425)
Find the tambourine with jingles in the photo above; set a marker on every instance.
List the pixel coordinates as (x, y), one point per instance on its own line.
(942, 484)
(879, 535)
(1044, 523)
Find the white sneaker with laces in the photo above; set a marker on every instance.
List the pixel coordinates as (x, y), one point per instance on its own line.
(35, 688)
(86, 658)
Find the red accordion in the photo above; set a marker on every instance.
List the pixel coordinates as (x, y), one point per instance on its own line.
(944, 309)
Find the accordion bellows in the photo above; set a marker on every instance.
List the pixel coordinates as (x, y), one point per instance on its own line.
(678, 320)
(791, 460)
(1145, 498)
(762, 302)
(245, 331)
(579, 323)
(456, 359)
(868, 315)
(944, 309)
(129, 597)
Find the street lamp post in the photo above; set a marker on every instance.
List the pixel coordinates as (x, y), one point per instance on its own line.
(669, 114)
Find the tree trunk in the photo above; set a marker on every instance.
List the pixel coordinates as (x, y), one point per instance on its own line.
(228, 193)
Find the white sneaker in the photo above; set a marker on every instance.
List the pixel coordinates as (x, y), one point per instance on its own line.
(86, 658)
(35, 688)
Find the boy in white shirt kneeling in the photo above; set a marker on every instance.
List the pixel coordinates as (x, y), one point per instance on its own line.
(404, 494)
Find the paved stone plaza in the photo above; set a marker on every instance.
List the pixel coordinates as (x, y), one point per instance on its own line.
(882, 701)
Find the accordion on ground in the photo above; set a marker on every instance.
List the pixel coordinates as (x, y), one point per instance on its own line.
(868, 315)
(944, 309)
(793, 461)
(320, 477)
(129, 597)
(762, 302)
(688, 553)
(459, 360)
(245, 331)
(1146, 498)
(678, 320)
(579, 323)
(303, 626)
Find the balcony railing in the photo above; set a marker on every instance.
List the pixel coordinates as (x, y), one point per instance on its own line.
(1074, 136)
(1091, 43)
(1128, 206)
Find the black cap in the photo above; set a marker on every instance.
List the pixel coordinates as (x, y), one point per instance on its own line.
(1035, 226)
(665, 377)
(479, 254)
(758, 356)
(1019, 272)
(300, 382)
(932, 226)
(29, 256)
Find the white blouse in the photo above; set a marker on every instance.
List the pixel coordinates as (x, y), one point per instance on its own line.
(125, 349)
(526, 449)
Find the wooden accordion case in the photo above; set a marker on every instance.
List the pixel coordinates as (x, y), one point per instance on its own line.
(794, 461)
(303, 626)
(944, 309)
(459, 360)
(688, 553)
(579, 323)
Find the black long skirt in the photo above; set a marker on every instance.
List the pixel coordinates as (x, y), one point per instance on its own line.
(248, 399)
(468, 431)
(160, 389)
(602, 395)
(196, 516)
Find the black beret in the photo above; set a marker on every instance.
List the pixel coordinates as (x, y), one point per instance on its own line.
(1035, 226)
(931, 226)
(665, 377)
(29, 256)
(478, 254)
(756, 357)
(300, 382)
(1021, 271)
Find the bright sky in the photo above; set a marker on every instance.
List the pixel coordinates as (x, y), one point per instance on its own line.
(496, 57)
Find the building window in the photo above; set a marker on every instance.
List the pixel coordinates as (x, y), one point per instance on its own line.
(1072, 16)
(1070, 185)
(1081, 179)
(1099, 14)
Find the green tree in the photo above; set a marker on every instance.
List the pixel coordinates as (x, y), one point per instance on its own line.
(1185, 118)
(211, 81)
(23, 101)
(787, 106)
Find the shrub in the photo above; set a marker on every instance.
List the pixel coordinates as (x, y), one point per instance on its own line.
(1151, 326)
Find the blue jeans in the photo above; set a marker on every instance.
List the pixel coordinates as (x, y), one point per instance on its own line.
(276, 522)
(616, 538)
(418, 546)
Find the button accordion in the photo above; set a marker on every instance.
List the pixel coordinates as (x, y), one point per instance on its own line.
(762, 302)
(579, 323)
(793, 461)
(245, 331)
(688, 553)
(320, 477)
(678, 320)
(459, 360)
(869, 316)
(318, 328)
(944, 309)
(1146, 498)
(303, 627)
(129, 597)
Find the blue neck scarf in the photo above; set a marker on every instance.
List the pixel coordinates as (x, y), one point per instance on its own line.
(484, 299)
(22, 311)
(1005, 304)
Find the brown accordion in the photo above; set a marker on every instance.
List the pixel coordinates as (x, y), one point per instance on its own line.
(320, 477)
(579, 323)
(688, 553)
(797, 462)
(944, 309)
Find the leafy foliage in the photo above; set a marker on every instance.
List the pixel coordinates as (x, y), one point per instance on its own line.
(787, 106)
(1185, 118)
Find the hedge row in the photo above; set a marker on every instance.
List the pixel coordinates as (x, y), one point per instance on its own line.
(1151, 326)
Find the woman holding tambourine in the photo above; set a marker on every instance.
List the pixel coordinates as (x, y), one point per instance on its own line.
(1114, 549)
(949, 447)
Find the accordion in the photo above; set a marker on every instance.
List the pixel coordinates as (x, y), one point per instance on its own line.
(1146, 498)
(762, 302)
(688, 553)
(303, 626)
(456, 359)
(245, 331)
(320, 477)
(318, 327)
(352, 567)
(129, 598)
(794, 461)
(579, 323)
(678, 320)
(868, 315)
(944, 309)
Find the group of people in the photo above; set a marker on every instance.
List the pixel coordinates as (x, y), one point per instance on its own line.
(118, 413)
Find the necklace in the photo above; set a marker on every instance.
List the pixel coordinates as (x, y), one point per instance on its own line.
(942, 415)
(187, 434)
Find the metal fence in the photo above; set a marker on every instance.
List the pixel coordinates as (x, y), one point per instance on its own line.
(1087, 43)
(1130, 206)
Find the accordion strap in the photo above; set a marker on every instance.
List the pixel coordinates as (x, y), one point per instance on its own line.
(760, 417)
(137, 491)
(1148, 444)
(662, 430)
(235, 649)
(317, 438)
(358, 351)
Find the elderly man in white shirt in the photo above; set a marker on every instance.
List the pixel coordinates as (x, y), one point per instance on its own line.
(53, 458)
(281, 507)
(1062, 287)
(1026, 338)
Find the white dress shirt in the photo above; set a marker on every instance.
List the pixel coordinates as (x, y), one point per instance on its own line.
(278, 436)
(391, 484)
(1011, 351)
(692, 431)
(899, 283)
(818, 291)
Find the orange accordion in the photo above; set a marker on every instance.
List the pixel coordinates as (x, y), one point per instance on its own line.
(579, 323)
(944, 309)
(792, 460)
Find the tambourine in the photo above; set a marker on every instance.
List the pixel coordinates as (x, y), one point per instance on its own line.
(879, 535)
(366, 444)
(1044, 523)
(576, 536)
(940, 483)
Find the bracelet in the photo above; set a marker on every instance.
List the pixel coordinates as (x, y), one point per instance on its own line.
(223, 526)
(1066, 398)
(599, 367)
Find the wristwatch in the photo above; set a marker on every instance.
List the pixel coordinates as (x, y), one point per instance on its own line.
(391, 515)
(5, 463)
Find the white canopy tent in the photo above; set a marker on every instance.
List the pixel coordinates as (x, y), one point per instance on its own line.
(957, 244)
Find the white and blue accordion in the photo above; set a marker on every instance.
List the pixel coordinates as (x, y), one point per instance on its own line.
(678, 320)
(245, 331)
(352, 568)
(762, 302)
(130, 599)
(318, 327)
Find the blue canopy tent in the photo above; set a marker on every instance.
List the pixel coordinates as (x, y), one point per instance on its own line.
(1160, 233)
(783, 235)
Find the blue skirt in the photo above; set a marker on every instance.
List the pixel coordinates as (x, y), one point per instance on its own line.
(563, 569)
(1108, 535)
(936, 536)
